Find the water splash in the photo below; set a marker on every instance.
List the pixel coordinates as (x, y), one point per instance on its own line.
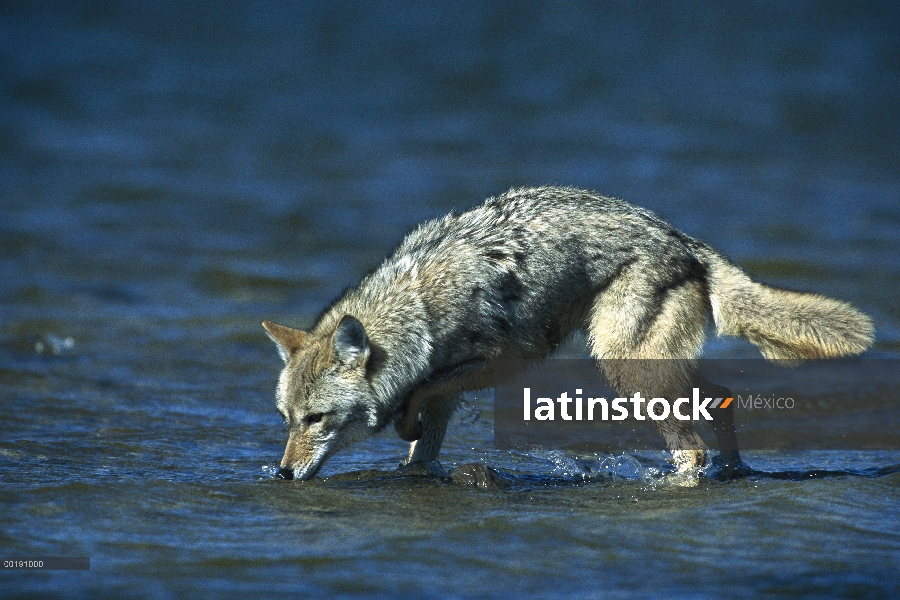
(621, 467)
(600, 468)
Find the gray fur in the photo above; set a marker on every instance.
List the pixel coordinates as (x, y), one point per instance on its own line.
(513, 278)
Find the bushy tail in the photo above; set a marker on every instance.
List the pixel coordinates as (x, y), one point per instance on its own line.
(783, 324)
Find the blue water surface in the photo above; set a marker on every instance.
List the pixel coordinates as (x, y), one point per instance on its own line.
(172, 174)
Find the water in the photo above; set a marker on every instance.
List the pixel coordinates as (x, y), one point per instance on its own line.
(172, 175)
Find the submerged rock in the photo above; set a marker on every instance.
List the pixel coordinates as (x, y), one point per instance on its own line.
(431, 469)
(479, 475)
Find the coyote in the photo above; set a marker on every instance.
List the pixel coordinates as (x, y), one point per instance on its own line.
(513, 278)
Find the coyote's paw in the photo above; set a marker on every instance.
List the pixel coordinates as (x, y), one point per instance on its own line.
(688, 464)
(728, 466)
(688, 478)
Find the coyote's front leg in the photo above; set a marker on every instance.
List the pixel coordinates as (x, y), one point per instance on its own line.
(435, 415)
(408, 426)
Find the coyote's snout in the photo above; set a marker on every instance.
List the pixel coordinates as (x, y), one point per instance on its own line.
(513, 278)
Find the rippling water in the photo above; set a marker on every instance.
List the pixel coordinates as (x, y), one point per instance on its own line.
(171, 175)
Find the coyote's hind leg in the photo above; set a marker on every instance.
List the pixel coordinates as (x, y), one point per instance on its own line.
(633, 325)
(728, 463)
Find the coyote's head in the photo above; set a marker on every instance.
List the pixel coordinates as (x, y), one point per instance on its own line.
(323, 394)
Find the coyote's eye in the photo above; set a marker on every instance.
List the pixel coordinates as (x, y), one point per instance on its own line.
(313, 418)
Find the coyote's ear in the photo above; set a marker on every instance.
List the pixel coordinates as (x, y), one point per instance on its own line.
(350, 345)
(287, 339)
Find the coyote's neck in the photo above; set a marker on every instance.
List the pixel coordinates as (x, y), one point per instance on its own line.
(400, 339)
